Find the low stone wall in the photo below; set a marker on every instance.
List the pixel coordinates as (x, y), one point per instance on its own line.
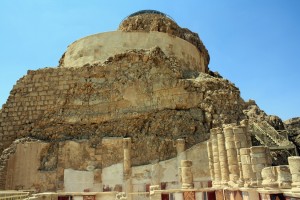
(76, 167)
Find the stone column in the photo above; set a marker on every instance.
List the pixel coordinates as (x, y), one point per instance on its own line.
(245, 125)
(127, 166)
(294, 164)
(230, 146)
(247, 170)
(186, 174)
(180, 146)
(222, 157)
(284, 177)
(181, 155)
(210, 161)
(259, 160)
(216, 161)
(240, 139)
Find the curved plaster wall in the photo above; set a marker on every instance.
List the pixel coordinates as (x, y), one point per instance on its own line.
(99, 47)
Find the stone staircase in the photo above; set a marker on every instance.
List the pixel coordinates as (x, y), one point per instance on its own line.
(268, 136)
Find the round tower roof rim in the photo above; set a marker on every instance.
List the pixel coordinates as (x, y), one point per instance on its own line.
(140, 12)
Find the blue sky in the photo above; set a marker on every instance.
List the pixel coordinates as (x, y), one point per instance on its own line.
(255, 44)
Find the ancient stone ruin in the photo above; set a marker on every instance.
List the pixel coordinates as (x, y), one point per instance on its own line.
(137, 114)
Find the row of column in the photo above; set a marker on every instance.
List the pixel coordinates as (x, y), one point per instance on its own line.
(224, 153)
(231, 160)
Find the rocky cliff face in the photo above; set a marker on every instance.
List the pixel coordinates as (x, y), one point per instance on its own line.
(293, 123)
(255, 114)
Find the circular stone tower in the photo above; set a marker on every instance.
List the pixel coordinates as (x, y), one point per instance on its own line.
(141, 30)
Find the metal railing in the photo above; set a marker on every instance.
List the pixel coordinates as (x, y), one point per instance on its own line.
(263, 129)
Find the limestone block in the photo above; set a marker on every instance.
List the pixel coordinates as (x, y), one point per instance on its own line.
(244, 143)
(295, 183)
(238, 130)
(269, 175)
(240, 137)
(224, 165)
(284, 177)
(245, 159)
(258, 167)
(229, 145)
(225, 175)
(229, 139)
(294, 164)
(214, 148)
(247, 171)
(216, 158)
(258, 160)
(238, 145)
(232, 160)
(234, 169)
(228, 131)
(221, 139)
(217, 166)
(231, 152)
(258, 155)
(223, 159)
(233, 177)
(257, 149)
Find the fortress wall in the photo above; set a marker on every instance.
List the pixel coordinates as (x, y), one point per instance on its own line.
(31, 97)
